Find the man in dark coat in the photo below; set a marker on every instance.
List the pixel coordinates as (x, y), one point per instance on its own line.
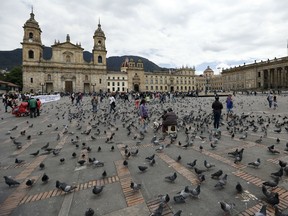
(169, 119)
(217, 106)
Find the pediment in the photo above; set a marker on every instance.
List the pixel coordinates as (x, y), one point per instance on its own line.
(67, 45)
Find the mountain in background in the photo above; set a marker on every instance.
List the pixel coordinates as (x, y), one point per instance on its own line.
(11, 59)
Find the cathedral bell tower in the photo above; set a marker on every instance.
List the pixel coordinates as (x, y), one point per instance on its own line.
(32, 46)
(99, 49)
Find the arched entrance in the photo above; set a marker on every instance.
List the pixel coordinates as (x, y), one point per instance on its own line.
(136, 88)
(172, 89)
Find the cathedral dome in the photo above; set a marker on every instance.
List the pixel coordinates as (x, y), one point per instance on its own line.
(99, 32)
(31, 22)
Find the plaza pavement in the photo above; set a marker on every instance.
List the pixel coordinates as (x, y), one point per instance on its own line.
(117, 198)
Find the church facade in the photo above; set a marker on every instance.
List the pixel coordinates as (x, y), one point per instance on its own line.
(67, 71)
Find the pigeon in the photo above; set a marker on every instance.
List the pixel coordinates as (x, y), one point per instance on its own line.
(45, 178)
(135, 186)
(278, 173)
(18, 161)
(10, 181)
(201, 178)
(99, 149)
(208, 165)
(30, 182)
(222, 182)
(217, 174)
(158, 211)
(272, 150)
(65, 187)
(178, 213)
(256, 163)
(198, 171)
(277, 130)
(196, 191)
(239, 187)
(97, 189)
(272, 183)
(164, 198)
(160, 148)
(278, 212)
(135, 153)
(227, 207)
(112, 148)
(41, 165)
(150, 157)
(62, 160)
(142, 168)
(259, 140)
(282, 163)
(192, 164)
(89, 212)
(97, 163)
(171, 178)
(81, 162)
(74, 154)
(179, 199)
(213, 146)
(125, 163)
(272, 198)
(178, 158)
(56, 151)
(104, 174)
(35, 153)
(261, 212)
(152, 162)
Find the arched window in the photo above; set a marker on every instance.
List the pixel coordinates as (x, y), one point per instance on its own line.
(30, 54)
(31, 35)
(49, 77)
(99, 59)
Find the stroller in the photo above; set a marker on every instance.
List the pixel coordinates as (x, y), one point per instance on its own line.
(21, 110)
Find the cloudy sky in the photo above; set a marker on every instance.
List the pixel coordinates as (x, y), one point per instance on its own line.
(171, 33)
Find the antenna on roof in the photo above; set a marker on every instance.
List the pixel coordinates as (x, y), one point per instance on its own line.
(31, 8)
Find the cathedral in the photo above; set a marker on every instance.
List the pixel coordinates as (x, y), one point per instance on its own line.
(67, 71)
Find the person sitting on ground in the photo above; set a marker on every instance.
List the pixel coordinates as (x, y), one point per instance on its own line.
(169, 119)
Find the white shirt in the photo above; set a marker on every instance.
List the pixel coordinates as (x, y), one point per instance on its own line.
(111, 99)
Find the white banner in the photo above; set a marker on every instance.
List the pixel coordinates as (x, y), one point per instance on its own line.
(48, 98)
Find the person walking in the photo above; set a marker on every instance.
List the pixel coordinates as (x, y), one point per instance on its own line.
(217, 108)
(229, 106)
(144, 115)
(94, 103)
(112, 103)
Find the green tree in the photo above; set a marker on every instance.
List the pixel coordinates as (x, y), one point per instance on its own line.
(15, 76)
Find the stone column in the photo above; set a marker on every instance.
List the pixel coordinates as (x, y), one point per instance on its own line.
(269, 79)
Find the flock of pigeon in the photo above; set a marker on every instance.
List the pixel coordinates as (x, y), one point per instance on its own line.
(195, 132)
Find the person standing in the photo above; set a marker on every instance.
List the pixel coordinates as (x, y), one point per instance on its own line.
(275, 102)
(144, 115)
(229, 106)
(217, 108)
(112, 103)
(270, 99)
(32, 107)
(38, 106)
(94, 103)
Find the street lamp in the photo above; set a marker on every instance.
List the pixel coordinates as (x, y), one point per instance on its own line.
(42, 86)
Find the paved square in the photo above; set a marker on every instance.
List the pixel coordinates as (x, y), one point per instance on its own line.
(67, 127)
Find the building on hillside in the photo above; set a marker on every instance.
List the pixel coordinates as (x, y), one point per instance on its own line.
(67, 71)
(263, 75)
(8, 87)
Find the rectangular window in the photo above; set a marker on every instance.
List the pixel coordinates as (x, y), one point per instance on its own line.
(151, 81)
(156, 87)
(151, 87)
(123, 89)
(123, 84)
(113, 84)
(113, 89)
(259, 75)
(147, 88)
(161, 88)
(100, 81)
(108, 83)
(165, 87)
(108, 78)
(118, 88)
(31, 80)
(118, 83)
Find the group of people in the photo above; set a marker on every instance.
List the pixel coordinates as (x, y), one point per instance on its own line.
(272, 101)
(28, 105)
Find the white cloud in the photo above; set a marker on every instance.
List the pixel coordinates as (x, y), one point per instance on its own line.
(167, 32)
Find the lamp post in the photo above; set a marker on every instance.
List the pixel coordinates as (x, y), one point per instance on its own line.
(42, 86)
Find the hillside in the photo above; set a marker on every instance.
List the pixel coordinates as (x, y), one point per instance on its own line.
(10, 59)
